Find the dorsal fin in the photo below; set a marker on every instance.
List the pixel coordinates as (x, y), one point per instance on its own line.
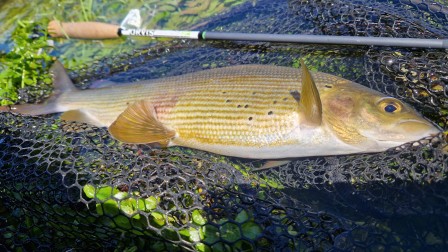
(310, 98)
(138, 124)
(61, 81)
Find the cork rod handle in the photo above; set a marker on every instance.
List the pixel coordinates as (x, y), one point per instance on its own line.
(83, 30)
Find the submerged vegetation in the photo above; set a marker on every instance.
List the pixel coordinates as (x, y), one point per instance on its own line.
(26, 64)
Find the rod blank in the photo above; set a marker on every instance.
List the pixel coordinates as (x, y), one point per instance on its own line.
(96, 30)
(324, 39)
(289, 38)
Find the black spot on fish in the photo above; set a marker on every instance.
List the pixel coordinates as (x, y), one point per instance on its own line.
(228, 100)
(250, 118)
(270, 113)
(246, 106)
(275, 102)
(239, 106)
(224, 92)
(295, 95)
(328, 86)
(285, 99)
(254, 93)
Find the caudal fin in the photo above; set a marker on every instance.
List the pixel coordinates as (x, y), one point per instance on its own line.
(62, 84)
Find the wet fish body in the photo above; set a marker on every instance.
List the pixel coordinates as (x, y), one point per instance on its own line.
(250, 111)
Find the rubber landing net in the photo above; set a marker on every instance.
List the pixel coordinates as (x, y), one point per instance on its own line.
(69, 186)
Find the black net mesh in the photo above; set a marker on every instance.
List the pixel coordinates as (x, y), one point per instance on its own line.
(69, 186)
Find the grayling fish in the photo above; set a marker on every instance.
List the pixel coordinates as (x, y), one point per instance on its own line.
(249, 111)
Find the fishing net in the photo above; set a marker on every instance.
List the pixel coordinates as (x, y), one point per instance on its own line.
(70, 186)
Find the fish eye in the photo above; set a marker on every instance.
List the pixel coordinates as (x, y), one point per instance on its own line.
(390, 108)
(389, 105)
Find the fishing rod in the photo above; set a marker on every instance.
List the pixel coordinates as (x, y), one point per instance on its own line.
(97, 30)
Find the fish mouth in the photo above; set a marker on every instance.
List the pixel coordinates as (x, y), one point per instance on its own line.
(404, 131)
(413, 130)
(418, 127)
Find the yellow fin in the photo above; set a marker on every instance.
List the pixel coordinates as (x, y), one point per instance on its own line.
(310, 98)
(138, 124)
(275, 163)
(79, 116)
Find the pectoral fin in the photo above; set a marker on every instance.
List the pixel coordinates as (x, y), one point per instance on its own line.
(138, 124)
(310, 99)
(80, 116)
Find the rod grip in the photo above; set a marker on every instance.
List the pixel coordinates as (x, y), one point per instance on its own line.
(83, 30)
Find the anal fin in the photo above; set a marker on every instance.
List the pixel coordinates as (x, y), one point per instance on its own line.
(272, 163)
(138, 124)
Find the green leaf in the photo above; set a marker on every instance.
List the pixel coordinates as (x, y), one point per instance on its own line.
(151, 203)
(47, 80)
(8, 235)
(89, 190)
(105, 192)
(230, 232)
(122, 222)
(120, 195)
(109, 208)
(194, 235)
(242, 217)
(28, 81)
(141, 205)
(211, 233)
(198, 218)
(251, 230)
(201, 247)
(33, 65)
(185, 233)
(128, 206)
(159, 219)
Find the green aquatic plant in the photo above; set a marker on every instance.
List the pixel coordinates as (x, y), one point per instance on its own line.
(26, 64)
(124, 211)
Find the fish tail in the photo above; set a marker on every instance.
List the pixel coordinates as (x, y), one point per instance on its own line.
(62, 84)
(29, 109)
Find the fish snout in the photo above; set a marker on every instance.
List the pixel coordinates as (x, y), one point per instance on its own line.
(418, 128)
